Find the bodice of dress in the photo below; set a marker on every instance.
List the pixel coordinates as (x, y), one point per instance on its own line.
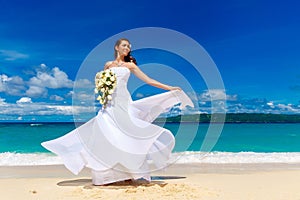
(122, 74)
(121, 93)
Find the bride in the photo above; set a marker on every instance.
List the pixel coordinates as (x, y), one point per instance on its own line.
(121, 143)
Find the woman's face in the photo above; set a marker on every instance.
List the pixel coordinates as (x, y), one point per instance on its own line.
(124, 48)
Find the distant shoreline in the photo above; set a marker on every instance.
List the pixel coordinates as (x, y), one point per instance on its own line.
(236, 118)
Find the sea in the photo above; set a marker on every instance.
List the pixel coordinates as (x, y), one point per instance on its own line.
(235, 143)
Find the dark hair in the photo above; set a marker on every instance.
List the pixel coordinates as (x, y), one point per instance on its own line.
(129, 57)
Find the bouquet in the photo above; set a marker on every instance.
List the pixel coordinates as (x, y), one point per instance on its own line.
(105, 84)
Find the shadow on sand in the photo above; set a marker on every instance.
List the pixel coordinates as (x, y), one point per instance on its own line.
(87, 183)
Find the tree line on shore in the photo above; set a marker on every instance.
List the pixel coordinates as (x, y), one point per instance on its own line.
(234, 118)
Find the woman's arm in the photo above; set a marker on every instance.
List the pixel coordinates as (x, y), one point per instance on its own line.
(141, 75)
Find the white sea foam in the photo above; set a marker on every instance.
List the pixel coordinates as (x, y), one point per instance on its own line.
(240, 157)
(19, 159)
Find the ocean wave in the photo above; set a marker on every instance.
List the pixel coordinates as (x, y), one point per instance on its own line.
(29, 159)
(25, 159)
(232, 157)
(36, 124)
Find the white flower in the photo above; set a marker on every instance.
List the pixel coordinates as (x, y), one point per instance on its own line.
(110, 91)
(105, 83)
(98, 75)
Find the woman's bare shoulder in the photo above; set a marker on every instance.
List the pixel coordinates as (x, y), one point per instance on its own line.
(131, 65)
(108, 64)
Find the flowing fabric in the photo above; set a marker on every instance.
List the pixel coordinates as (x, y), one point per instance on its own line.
(121, 142)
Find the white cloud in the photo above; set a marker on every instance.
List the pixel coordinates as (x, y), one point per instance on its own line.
(2, 85)
(83, 83)
(271, 104)
(11, 55)
(24, 100)
(213, 95)
(70, 93)
(40, 81)
(43, 65)
(36, 91)
(26, 107)
(4, 78)
(45, 79)
(261, 106)
(83, 97)
(2, 101)
(288, 107)
(56, 98)
(55, 79)
(11, 85)
(213, 101)
(70, 110)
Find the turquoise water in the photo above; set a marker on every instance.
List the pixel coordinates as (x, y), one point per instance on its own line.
(26, 138)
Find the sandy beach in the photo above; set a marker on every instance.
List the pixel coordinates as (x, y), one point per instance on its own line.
(179, 181)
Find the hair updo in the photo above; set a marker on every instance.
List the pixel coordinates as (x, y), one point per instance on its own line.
(129, 57)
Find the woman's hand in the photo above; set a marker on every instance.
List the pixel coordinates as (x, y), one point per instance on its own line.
(175, 88)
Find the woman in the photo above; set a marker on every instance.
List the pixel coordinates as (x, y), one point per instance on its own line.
(121, 143)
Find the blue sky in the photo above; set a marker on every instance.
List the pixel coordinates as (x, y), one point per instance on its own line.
(254, 44)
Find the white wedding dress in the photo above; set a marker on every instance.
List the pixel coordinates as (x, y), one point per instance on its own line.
(121, 142)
